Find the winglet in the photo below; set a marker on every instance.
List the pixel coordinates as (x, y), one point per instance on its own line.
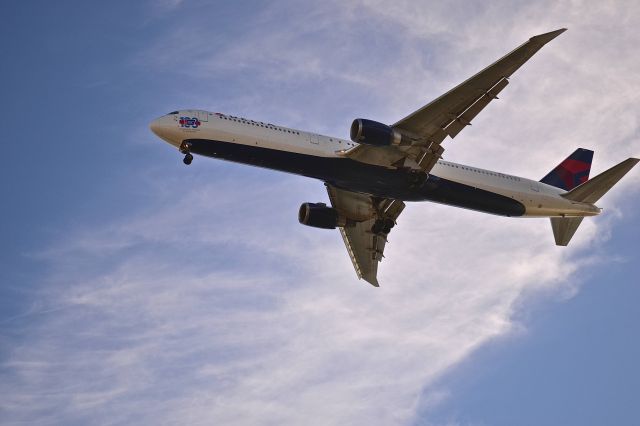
(547, 37)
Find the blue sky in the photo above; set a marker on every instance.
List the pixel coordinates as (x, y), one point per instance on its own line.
(137, 290)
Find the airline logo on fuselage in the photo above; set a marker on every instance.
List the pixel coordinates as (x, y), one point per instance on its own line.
(189, 122)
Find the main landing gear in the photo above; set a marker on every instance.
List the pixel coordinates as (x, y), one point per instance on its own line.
(382, 226)
(417, 178)
(185, 148)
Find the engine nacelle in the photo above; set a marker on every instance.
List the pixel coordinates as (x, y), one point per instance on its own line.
(373, 133)
(319, 215)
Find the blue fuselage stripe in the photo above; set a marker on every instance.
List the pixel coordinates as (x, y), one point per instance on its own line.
(361, 177)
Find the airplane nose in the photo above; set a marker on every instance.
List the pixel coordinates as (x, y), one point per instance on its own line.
(156, 126)
(165, 128)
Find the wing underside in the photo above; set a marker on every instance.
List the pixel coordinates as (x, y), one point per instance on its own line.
(369, 224)
(371, 218)
(447, 115)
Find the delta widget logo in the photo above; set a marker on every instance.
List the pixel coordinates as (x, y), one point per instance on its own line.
(189, 123)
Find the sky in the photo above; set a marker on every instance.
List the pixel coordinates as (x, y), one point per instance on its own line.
(136, 290)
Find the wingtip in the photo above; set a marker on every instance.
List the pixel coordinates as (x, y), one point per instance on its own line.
(547, 37)
(373, 281)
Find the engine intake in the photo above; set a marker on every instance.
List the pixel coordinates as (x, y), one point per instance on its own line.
(319, 215)
(373, 133)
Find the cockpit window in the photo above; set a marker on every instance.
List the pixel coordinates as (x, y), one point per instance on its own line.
(173, 113)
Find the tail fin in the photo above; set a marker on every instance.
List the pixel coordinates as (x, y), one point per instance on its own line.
(593, 190)
(572, 172)
(589, 192)
(564, 228)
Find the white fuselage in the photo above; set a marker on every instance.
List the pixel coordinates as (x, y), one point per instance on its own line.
(539, 199)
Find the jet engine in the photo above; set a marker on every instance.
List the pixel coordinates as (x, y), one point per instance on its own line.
(319, 215)
(373, 133)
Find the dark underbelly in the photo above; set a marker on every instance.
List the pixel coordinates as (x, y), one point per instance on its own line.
(361, 177)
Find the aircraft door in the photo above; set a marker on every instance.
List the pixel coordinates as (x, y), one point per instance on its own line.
(202, 115)
(314, 138)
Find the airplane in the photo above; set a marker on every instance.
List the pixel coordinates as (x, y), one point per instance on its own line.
(371, 176)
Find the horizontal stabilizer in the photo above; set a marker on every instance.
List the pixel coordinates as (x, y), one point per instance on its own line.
(564, 228)
(592, 190)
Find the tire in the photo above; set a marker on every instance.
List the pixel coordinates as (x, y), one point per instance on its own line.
(377, 227)
(417, 178)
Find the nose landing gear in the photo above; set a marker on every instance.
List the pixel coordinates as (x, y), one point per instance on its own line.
(185, 148)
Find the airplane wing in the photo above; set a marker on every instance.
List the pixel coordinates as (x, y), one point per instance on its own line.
(370, 221)
(450, 113)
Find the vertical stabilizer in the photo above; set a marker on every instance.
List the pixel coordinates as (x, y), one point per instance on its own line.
(572, 172)
(564, 228)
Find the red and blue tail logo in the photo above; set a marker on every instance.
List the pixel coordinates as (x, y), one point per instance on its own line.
(572, 172)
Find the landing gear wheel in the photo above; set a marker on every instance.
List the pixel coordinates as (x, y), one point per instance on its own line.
(382, 226)
(388, 224)
(417, 178)
(378, 227)
(185, 148)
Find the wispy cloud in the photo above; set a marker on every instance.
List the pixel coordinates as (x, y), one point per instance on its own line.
(181, 328)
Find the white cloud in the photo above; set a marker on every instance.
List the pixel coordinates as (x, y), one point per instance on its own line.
(226, 324)
(215, 306)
